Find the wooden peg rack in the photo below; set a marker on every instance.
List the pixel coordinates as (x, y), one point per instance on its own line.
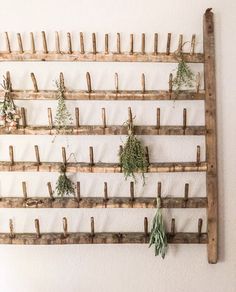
(209, 166)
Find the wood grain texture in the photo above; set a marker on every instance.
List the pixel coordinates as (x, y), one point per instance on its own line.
(211, 140)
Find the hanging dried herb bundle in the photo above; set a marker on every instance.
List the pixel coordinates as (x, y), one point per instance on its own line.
(63, 117)
(9, 116)
(184, 76)
(64, 186)
(132, 155)
(158, 234)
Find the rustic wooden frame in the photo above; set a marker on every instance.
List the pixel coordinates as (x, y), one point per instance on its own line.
(210, 202)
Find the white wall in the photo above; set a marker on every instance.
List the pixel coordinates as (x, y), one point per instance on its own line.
(122, 267)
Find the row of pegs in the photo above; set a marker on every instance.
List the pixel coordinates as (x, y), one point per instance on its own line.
(91, 155)
(65, 233)
(116, 82)
(58, 50)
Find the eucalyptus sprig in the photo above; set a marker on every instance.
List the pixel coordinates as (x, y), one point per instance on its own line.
(158, 234)
(132, 155)
(184, 76)
(63, 118)
(64, 186)
(9, 116)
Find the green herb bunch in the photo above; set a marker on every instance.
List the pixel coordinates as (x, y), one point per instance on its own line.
(132, 155)
(63, 117)
(184, 75)
(64, 186)
(158, 234)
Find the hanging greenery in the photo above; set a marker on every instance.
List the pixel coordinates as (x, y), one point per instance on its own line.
(9, 116)
(132, 155)
(64, 186)
(158, 234)
(63, 118)
(184, 76)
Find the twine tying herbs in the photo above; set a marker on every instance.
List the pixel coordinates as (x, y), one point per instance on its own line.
(158, 234)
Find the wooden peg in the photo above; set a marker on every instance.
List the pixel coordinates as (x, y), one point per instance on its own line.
(88, 78)
(69, 43)
(104, 123)
(50, 191)
(116, 82)
(155, 49)
(63, 152)
(78, 190)
(36, 149)
(130, 116)
(147, 155)
(11, 154)
(193, 41)
(34, 82)
(20, 45)
(45, 47)
(198, 154)
(199, 227)
(143, 83)
(37, 228)
(23, 117)
(131, 51)
(11, 227)
(172, 226)
(24, 189)
(118, 43)
(57, 43)
(145, 227)
(77, 122)
(168, 44)
(81, 43)
(158, 118)
(198, 78)
(94, 43)
(32, 43)
(159, 189)
(180, 45)
(186, 192)
(92, 226)
(62, 80)
(65, 226)
(106, 44)
(91, 157)
(184, 119)
(8, 80)
(105, 192)
(131, 189)
(170, 83)
(7, 43)
(50, 121)
(143, 44)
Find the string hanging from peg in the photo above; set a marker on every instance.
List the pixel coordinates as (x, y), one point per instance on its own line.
(11, 227)
(143, 44)
(69, 43)
(89, 86)
(50, 191)
(104, 123)
(81, 43)
(20, 45)
(91, 157)
(57, 43)
(45, 47)
(65, 227)
(106, 44)
(168, 44)
(77, 117)
(118, 43)
(32, 43)
(131, 51)
(116, 82)
(94, 43)
(7, 43)
(193, 41)
(33, 78)
(37, 228)
(155, 49)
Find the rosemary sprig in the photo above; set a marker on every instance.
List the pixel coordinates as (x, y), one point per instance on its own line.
(158, 234)
(64, 186)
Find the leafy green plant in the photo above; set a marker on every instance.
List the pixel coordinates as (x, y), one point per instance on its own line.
(64, 186)
(158, 236)
(9, 116)
(132, 155)
(63, 117)
(184, 76)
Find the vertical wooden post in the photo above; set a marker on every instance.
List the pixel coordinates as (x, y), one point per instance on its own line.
(211, 142)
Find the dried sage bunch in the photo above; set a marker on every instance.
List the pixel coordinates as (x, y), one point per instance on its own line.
(63, 117)
(184, 76)
(158, 234)
(132, 155)
(9, 116)
(64, 186)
